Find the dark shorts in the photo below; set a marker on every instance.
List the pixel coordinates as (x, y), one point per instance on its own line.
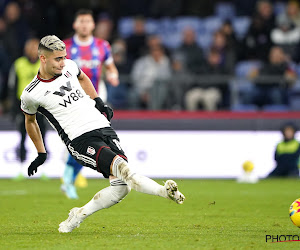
(86, 148)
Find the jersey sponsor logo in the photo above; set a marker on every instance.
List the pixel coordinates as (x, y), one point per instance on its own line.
(62, 89)
(90, 64)
(73, 96)
(90, 150)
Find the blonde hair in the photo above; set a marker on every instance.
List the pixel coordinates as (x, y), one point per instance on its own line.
(51, 43)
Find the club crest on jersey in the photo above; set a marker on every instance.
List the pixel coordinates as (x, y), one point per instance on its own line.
(90, 150)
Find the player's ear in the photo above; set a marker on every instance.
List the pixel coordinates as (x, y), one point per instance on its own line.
(42, 58)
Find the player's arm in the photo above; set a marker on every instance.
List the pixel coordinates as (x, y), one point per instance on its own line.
(87, 85)
(89, 89)
(112, 74)
(34, 133)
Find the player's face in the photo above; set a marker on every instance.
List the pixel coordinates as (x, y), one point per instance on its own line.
(84, 25)
(55, 62)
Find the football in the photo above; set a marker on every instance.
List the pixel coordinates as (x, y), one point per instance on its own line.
(248, 166)
(295, 212)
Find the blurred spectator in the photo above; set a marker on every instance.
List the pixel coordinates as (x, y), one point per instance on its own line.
(16, 32)
(5, 63)
(257, 40)
(286, 35)
(228, 56)
(264, 10)
(150, 75)
(273, 79)
(104, 27)
(117, 96)
(287, 153)
(181, 79)
(292, 13)
(136, 42)
(228, 31)
(153, 41)
(191, 52)
(208, 96)
(21, 74)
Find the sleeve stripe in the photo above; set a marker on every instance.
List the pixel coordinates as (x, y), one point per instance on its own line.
(79, 72)
(32, 85)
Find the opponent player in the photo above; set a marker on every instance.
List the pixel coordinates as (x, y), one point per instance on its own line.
(90, 54)
(65, 95)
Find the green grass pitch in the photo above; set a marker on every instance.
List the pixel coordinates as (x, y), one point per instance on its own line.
(217, 214)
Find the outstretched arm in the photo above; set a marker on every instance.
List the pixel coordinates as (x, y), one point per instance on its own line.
(34, 133)
(89, 89)
(87, 85)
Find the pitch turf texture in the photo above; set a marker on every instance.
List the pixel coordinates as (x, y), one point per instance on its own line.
(217, 214)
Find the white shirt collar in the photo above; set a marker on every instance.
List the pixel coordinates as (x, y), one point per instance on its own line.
(81, 43)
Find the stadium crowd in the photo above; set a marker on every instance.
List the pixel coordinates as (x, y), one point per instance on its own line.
(176, 55)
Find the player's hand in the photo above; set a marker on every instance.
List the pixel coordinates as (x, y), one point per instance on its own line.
(103, 108)
(113, 79)
(39, 160)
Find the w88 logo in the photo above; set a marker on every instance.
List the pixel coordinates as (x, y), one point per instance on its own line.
(74, 96)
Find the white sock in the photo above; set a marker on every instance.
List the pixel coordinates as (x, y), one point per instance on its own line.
(106, 197)
(135, 181)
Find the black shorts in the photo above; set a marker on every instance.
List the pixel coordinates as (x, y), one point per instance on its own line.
(86, 148)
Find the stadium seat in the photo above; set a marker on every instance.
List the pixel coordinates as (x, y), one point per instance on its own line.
(279, 7)
(166, 25)
(294, 96)
(244, 108)
(212, 24)
(294, 103)
(125, 26)
(243, 68)
(171, 40)
(242, 88)
(189, 22)
(241, 25)
(275, 108)
(151, 26)
(297, 69)
(204, 40)
(225, 10)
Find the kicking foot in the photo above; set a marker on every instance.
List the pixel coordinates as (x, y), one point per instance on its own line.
(72, 222)
(173, 193)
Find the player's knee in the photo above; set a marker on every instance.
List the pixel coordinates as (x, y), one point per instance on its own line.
(120, 169)
(120, 191)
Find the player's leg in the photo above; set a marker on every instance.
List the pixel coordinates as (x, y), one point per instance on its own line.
(110, 163)
(143, 184)
(72, 168)
(105, 198)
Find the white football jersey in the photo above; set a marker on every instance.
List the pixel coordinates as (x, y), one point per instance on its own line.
(64, 103)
